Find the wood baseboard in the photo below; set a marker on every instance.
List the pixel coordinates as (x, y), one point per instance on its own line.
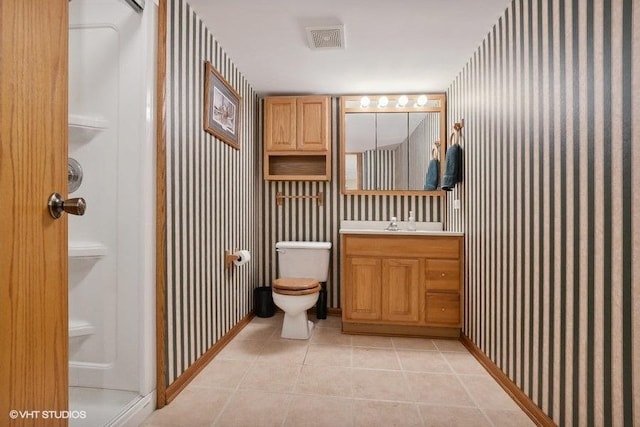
(334, 312)
(528, 406)
(330, 311)
(187, 376)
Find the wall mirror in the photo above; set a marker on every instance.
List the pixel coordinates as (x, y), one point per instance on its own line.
(387, 142)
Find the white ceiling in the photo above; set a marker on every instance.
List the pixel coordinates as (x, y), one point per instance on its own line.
(402, 46)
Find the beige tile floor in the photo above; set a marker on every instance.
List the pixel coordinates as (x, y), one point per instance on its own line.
(338, 380)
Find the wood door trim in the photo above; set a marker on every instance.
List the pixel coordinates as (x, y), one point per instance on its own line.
(161, 207)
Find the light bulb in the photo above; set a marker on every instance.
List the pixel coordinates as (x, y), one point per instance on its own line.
(383, 101)
(365, 101)
(402, 101)
(422, 100)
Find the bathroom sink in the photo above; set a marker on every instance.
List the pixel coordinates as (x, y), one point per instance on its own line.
(379, 227)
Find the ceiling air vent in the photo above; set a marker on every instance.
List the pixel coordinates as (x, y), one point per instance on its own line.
(331, 37)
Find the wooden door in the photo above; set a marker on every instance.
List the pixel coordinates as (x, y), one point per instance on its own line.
(33, 246)
(363, 288)
(313, 123)
(401, 290)
(280, 123)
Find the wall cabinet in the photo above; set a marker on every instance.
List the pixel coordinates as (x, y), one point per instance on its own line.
(297, 138)
(402, 285)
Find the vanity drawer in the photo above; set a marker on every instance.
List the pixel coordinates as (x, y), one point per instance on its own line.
(443, 310)
(443, 275)
(403, 246)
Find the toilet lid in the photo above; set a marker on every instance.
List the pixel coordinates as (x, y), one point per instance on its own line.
(295, 284)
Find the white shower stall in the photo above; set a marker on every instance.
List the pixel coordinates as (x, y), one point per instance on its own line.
(112, 247)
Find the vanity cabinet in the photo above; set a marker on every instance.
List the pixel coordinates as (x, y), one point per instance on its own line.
(368, 299)
(402, 284)
(297, 138)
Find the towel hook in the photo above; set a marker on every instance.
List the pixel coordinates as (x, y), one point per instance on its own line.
(456, 134)
(435, 150)
(455, 138)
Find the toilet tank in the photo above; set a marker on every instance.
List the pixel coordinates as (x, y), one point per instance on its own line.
(304, 259)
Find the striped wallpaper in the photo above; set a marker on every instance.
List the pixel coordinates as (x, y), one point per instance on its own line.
(212, 190)
(302, 219)
(379, 169)
(402, 162)
(427, 131)
(550, 205)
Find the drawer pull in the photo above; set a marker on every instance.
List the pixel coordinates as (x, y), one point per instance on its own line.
(443, 309)
(443, 275)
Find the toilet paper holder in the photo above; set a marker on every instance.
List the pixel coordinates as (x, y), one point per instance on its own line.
(230, 257)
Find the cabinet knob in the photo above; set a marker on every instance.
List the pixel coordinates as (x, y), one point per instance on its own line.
(443, 309)
(442, 275)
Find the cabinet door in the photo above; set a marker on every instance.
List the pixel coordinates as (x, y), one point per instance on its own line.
(363, 288)
(401, 290)
(313, 123)
(280, 123)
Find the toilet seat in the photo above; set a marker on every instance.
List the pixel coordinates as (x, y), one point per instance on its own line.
(296, 286)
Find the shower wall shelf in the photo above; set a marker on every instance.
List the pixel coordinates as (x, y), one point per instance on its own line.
(87, 250)
(80, 328)
(85, 128)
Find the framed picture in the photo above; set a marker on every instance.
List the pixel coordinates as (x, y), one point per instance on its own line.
(221, 108)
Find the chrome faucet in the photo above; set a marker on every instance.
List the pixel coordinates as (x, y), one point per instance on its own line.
(393, 225)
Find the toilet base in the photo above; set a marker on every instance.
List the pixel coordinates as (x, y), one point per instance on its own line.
(297, 326)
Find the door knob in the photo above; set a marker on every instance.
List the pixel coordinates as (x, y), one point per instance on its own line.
(57, 206)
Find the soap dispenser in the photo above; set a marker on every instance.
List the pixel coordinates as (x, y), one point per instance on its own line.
(412, 222)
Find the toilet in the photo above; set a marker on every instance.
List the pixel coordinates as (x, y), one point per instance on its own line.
(303, 267)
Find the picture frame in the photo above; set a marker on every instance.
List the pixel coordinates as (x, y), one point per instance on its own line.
(222, 108)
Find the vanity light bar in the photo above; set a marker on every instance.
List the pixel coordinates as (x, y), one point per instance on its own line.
(402, 101)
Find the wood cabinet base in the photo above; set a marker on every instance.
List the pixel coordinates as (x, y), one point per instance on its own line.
(399, 330)
(407, 285)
